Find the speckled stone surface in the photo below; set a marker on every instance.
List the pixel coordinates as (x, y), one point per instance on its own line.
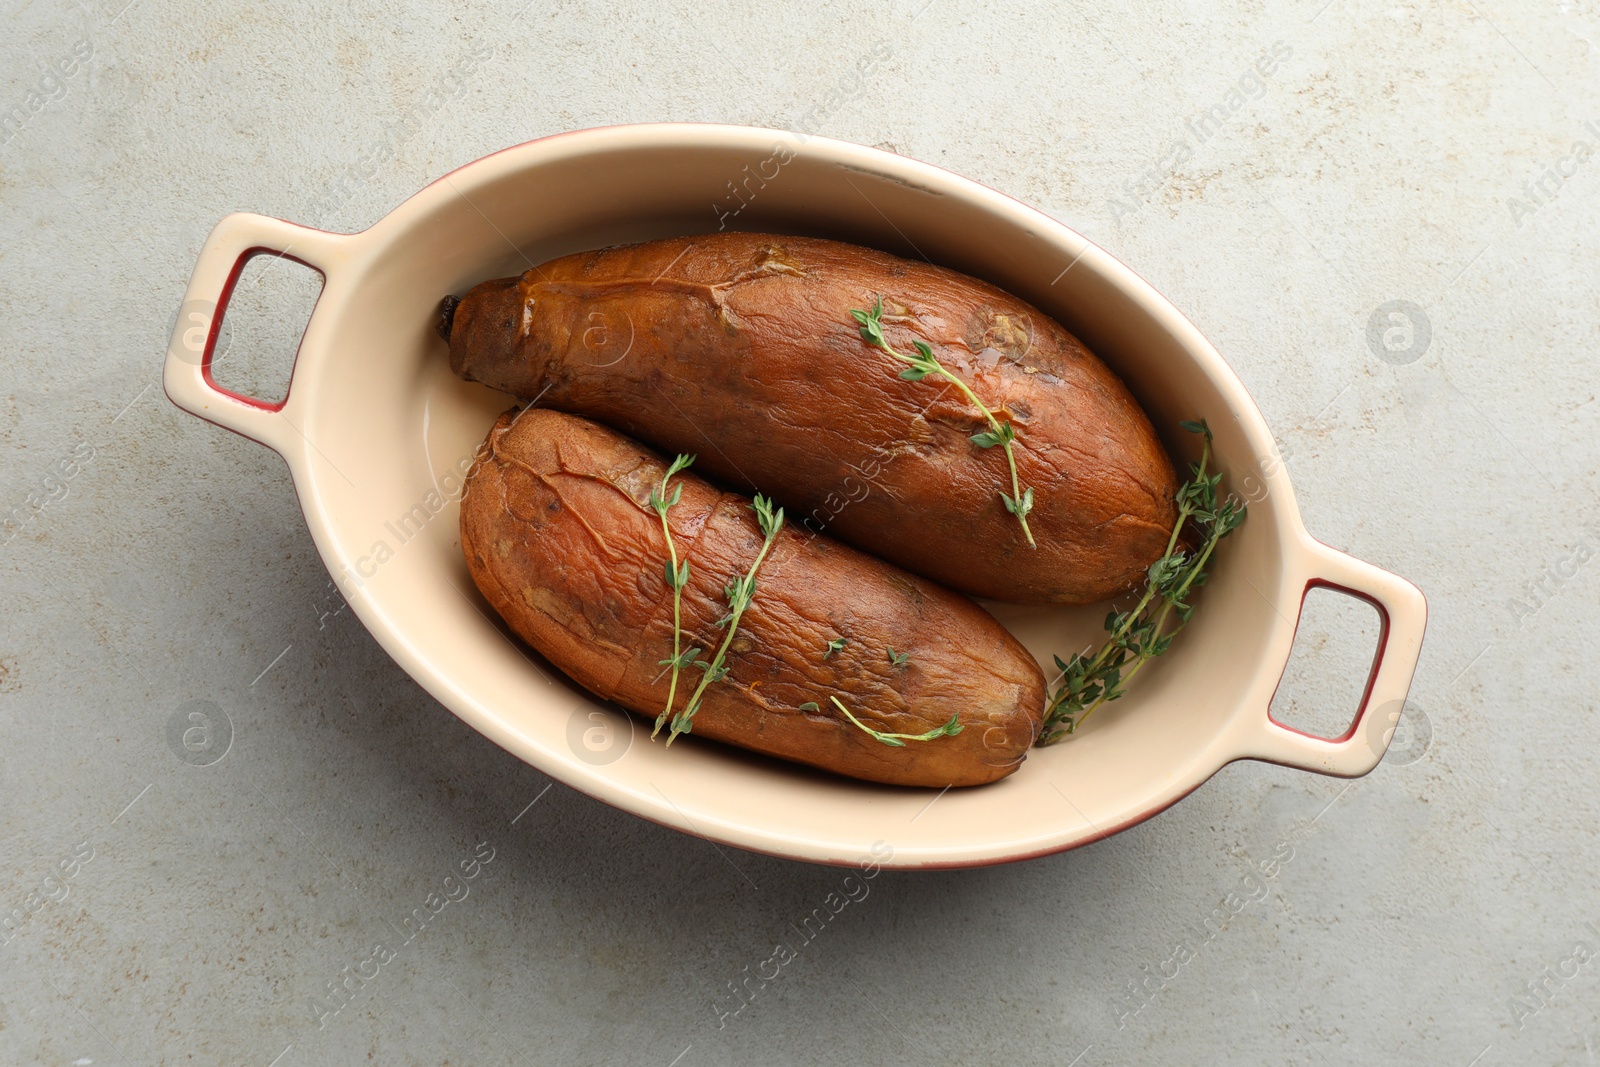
(222, 805)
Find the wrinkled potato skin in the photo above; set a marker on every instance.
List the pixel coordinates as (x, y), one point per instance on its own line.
(559, 536)
(739, 347)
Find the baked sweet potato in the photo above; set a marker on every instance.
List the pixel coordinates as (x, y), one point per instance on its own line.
(560, 537)
(740, 347)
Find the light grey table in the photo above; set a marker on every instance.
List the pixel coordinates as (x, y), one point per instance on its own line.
(1285, 175)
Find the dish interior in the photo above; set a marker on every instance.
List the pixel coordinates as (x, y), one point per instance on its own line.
(390, 431)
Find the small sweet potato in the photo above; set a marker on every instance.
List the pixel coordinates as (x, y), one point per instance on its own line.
(560, 537)
(740, 347)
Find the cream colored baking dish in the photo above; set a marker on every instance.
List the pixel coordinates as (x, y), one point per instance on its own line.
(377, 433)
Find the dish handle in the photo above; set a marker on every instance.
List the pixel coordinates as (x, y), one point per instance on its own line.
(186, 375)
(1403, 616)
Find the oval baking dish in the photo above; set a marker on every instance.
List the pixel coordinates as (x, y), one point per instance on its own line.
(377, 433)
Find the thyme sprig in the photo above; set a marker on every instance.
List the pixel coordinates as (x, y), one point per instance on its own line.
(739, 593)
(677, 575)
(1019, 501)
(1139, 635)
(949, 729)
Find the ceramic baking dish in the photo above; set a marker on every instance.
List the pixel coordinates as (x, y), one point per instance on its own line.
(377, 432)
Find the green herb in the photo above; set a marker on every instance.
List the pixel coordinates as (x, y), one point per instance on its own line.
(1140, 635)
(835, 645)
(677, 575)
(1019, 501)
(949, 729)
(739, 592)
(810, 705)
(898, 659)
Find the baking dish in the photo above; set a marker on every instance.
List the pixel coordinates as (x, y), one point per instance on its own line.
(377, 434)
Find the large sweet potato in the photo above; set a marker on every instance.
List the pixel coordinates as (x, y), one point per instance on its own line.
(740, 347)
(560, 537)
